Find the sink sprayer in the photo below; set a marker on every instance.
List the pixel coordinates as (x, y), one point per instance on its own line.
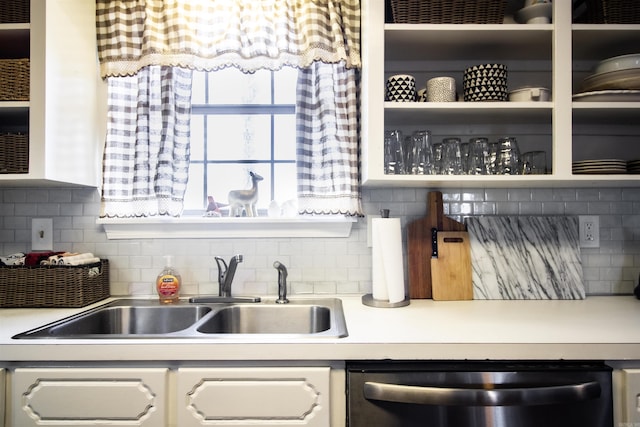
(282, 282)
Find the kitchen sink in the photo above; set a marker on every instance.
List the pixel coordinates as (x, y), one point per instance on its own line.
(269, 319)
(130, 318)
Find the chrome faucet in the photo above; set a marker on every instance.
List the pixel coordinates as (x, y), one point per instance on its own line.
(282, 282)
(226, 273)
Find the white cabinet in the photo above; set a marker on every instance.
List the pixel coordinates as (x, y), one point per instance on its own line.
(180, 395)
(254, 396)
(88, 397)
(3, 398)
(557, 55)
(627, 397)
(61, 115)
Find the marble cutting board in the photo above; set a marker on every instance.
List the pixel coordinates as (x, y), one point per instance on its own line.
(525, 257)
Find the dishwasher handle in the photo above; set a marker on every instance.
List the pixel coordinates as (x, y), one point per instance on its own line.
(452, 396)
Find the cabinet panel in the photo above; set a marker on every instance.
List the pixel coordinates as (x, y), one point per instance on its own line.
(253, 396)
(629, 398)
(87, 397)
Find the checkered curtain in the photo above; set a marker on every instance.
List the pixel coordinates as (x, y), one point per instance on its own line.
(249, 35)
(214, 34)
(146, 157)
(327, 140)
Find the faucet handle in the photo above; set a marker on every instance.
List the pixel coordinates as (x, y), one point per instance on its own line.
(222, 269)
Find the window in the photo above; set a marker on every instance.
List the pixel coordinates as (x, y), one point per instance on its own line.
(242, 123)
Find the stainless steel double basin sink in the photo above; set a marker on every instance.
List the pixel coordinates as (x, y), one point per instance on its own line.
(131, 318)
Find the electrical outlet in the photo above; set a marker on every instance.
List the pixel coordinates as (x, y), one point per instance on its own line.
(41, 234)
(589, 231)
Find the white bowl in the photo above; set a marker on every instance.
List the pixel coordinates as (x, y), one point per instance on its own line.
(526, 94)
(622, 62)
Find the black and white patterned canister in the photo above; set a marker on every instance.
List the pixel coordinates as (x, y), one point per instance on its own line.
(401, 88)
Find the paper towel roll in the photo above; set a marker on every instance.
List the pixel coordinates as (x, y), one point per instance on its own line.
(388, 267)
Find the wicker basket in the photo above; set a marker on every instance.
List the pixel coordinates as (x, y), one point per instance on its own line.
(611, 12)
(14, 12)
(14, 153)
(14, 79)
(448, 11)
(54, 286)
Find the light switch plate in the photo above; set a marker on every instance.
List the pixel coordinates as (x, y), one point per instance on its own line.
(42, 234)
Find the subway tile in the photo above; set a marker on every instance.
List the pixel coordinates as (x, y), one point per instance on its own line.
(563, 194)
(587, 194)
(519, 194)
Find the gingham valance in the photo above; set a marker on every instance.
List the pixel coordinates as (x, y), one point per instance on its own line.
(214, 34)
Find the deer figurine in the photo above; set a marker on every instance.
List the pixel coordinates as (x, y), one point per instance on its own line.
(239, 199)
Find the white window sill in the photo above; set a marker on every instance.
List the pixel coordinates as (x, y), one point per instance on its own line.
(212, 227)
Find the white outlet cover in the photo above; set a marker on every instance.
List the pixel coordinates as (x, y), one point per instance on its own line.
(42, 234)
(595, 221)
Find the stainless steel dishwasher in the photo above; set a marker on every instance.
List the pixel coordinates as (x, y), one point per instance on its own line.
(479, 394)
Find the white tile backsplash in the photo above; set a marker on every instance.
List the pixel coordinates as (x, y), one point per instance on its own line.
(320, 265)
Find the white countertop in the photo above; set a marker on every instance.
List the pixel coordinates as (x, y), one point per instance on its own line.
(606, 328)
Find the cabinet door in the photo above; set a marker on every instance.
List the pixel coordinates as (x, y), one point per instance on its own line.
(627, 400)
(88, 397)
(253, 396)
(3, 398)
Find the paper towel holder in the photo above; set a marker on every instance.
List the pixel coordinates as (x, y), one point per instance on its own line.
(368, 300)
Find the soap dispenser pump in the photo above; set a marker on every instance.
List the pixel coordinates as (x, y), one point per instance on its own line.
(168, 283)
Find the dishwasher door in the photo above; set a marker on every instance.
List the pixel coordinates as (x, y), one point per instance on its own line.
(479, 394)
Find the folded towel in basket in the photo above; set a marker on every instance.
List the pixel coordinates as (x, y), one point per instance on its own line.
(80, 259)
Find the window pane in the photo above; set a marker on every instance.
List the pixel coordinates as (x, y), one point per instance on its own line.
(285, 86)
(230, 86)
(285, 137)
(198, 87)
(197, 137)
(236, 137)
(223, 178)
(194, 196)
(285, 176)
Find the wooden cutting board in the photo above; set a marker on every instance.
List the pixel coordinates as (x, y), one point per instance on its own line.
(419, 245)
(451, 270)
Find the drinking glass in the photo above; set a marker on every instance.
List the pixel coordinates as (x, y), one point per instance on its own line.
(437, 159)
(492, 165)
(422, 154)
(451, 156)
(534, 163)
(508, 157)
(478, 160)
(393, 152)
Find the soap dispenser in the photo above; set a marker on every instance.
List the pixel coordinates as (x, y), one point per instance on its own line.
(168, 283)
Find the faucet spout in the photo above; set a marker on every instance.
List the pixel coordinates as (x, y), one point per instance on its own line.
(282, 282)
(226, 274)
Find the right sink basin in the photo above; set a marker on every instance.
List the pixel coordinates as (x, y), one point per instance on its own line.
(269, 319)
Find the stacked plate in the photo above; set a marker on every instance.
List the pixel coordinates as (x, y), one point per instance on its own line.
(633, 166)
(485, 82)
(603, 166)
(614, 77)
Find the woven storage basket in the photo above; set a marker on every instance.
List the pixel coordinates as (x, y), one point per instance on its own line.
(448, 11)
(14, 79)
(14, 153)
(612, 12)
(14, 11)
(54, 286)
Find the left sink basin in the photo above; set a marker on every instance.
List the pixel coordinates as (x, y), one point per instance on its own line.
(122, 318)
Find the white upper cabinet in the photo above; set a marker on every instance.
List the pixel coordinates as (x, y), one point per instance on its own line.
(66, 94)
(558, 56)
